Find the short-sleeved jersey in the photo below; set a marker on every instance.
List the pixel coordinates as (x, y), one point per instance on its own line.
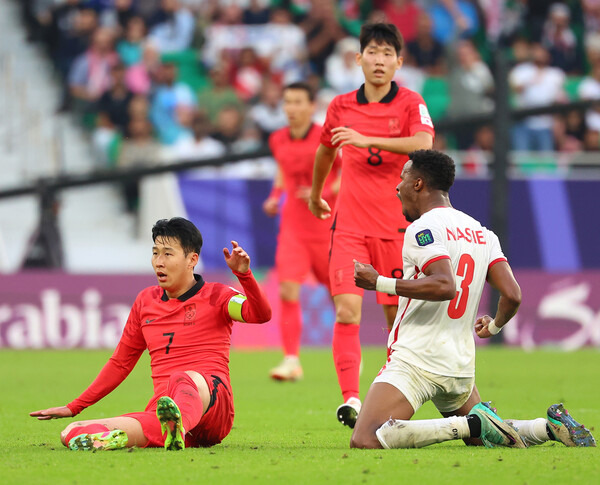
(192, 332)
(296, 158)
(367, 202)
(438, 336)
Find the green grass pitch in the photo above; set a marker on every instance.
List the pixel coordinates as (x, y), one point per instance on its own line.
(287, 432)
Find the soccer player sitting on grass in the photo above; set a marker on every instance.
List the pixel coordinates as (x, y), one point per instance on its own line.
(185, 323)
(448, 256)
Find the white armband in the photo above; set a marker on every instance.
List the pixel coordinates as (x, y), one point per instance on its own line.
(386, 285)
(493, 329)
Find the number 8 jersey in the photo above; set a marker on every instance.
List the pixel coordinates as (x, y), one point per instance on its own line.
(438, 336)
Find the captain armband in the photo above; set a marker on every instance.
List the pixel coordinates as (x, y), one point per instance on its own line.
(234, 307)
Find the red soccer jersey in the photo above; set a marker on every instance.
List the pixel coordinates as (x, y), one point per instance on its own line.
(192, 332)
(296, 157)
(367, 202)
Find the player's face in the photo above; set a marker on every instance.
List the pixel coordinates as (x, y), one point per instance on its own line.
(379, 63)
(406, 194)
(298, 108)
(173, 268)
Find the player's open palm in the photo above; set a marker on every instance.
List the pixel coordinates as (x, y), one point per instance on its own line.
(52, 413)
(238, 259)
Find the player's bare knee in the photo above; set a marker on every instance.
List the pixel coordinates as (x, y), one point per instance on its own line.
(364, 441)
(344, 314)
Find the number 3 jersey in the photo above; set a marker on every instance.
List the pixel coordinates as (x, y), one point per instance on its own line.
(367, 202)
(438, 336)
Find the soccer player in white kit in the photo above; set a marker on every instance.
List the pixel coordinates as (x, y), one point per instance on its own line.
(448, 256)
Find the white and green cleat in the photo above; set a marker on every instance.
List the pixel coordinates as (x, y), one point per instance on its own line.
(169, 416)
(565, 429)
(494, 431)
(107, 440)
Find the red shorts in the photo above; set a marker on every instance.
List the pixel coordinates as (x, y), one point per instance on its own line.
(295, 258)
(384, 254)
(213, 427)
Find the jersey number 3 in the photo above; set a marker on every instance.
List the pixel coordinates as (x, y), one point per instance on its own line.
(466, 268)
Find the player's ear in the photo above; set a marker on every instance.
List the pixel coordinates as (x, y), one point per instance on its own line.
(194, 257)
(419, 184)
(400, 62)
(358, 58)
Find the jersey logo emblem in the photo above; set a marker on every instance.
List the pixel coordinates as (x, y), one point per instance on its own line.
(424, 237)
(190, 314)
(394, 126)
(425, 116)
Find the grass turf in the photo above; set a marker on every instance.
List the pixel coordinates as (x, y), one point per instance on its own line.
(287, 432)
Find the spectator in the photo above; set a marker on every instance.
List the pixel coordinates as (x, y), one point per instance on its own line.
(117, 17)
(470, 85)
(172, 27)
(559, 39)
(130, 48)
(342, 72)
(256, 12)
(219, 94)
(289, 55)
(536, 84)
(198, 146)
(91, 72)
(173, 102)
(268, 114)
(479, 154)
(426, 52)
(323, 31)
(569, 132)
(453, 19)
(228, 127)
(142, 77)
(248, 73)
(591, 15)
(138, 109)
(403, 14)
(590, 89)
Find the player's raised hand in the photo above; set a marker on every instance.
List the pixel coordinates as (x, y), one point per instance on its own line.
(271, 206)
(319, 208)
(365, 276)
(343, 136)
(481, 326)
(52, 413)
(238, 259)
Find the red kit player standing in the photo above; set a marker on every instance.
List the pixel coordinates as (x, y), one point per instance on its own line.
(303, 241)
(185, 323)
(376, 127)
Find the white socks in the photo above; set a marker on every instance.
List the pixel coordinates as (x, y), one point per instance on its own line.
(532, 431)
(397, 433)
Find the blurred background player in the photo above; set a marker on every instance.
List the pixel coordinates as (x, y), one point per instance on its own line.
(375, 126)
(303, 241)
(448, 257)
(185, 323)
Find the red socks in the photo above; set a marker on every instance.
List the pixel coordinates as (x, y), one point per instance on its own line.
(89, 429)
(183, 390)
(346, 357)
(290, 326)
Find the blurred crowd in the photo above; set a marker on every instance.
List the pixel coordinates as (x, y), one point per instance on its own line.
(166, 80)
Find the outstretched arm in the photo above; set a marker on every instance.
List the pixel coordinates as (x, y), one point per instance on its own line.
(501, 277)
(255, 307)
(112, 374)
(438, 284)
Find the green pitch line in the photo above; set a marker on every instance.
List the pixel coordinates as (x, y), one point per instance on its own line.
(288, 432)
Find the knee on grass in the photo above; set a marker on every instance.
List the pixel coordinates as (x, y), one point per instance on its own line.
(365, 441)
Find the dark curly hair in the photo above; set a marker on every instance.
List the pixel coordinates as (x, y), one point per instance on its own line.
(436, 168)
(181, 230)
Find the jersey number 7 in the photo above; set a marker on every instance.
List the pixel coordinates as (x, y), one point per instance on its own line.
(465, 269)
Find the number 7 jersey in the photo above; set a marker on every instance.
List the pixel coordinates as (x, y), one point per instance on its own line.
(438, 336)
(367, 202)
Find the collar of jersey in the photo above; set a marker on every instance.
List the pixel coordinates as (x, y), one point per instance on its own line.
(189, 293)
(362, 99)
(303, 137)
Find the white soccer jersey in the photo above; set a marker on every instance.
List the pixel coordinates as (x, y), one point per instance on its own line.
(438, 336)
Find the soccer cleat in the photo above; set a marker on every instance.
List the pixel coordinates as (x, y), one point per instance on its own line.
(289, 370)
(347, 413)
(169, 416)
(494, 431)
(565, 429)
(107, 440)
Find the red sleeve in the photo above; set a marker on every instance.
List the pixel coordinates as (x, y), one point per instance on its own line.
(331, 122)
(419, 118)
(256, 309)
(112, 374)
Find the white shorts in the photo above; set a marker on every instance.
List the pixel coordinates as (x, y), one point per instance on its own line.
(419, 386)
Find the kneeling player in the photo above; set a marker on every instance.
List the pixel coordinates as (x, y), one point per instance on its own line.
(185, 323)
(448, 256)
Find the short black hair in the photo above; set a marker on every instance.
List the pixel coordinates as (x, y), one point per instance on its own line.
(180, 229)
(436, 168)
(381, 33)
(304, 86)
